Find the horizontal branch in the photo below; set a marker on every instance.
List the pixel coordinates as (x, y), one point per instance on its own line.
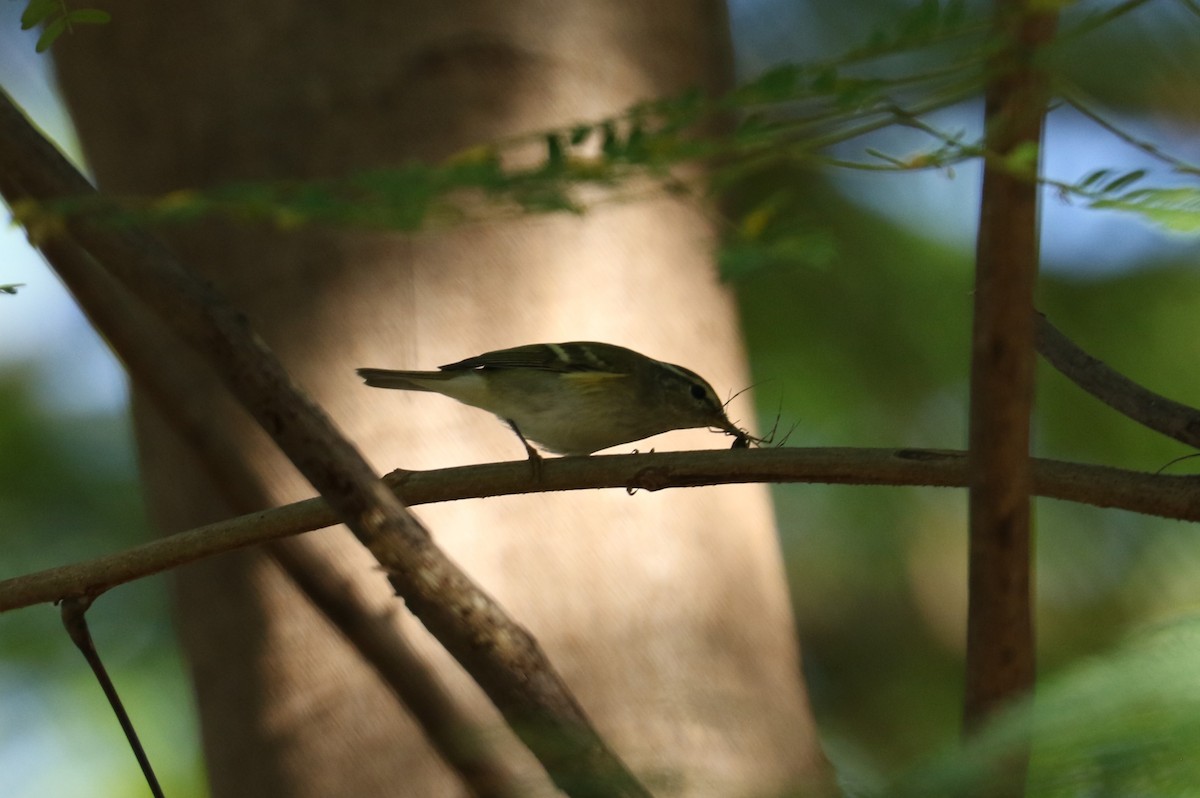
(1153, 494)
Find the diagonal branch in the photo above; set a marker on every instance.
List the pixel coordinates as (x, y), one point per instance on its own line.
(1171, 418)
(1101, 486)
(487, 762)
(166, 372)
(499, 654)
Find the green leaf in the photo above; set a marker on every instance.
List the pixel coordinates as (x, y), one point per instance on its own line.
(1173, 209)
(751, 125)
(1124, 180)
(877, 39)
(635, 145)
(778, 83)
(1023, 159)
(1094, 177)
(795, 248)
(89, 16)
(775, 85)
(555, 156)
(854, 92)
(11, 288)
(50, 34)
(825, 81)
(36, 11)
(612, 145)
(921, 20)
(955, 13)
(546, 200)
(579, 134)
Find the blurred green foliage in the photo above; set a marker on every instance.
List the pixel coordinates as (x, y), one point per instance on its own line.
(1124, 725)
(68, 491)
(861, 337)
(873, 350)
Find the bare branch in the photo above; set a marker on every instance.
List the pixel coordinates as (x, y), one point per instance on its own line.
(74, 618)
(1171, 418)
(487, 763)
(1153, 494)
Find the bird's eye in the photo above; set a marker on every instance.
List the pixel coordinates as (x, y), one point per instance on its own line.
(698, 392)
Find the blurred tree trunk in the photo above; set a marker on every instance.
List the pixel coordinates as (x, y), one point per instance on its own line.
(667, 613)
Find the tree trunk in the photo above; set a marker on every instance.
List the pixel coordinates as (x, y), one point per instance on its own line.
(667, 613)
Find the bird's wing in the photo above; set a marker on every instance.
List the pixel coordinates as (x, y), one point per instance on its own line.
(585, 356)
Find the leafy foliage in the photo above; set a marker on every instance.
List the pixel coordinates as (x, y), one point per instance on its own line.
(787, 116)
(1128, 724)
(69, 491)
(1174, 209)
(58, 19)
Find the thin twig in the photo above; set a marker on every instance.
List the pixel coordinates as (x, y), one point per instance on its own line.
(1071, 97)
(1101, 19)
(74, 617)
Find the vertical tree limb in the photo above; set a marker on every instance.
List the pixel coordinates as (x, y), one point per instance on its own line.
(1000, 645)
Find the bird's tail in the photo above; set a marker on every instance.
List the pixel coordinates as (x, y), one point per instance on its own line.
(404, 380)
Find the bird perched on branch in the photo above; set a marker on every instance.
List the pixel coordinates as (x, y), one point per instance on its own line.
(573, 398)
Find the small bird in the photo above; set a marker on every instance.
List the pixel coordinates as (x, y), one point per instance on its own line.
(573, 398)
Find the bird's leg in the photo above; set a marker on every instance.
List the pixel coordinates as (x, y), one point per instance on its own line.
(535, 459)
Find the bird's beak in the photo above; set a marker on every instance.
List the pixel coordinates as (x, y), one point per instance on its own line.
(728, 428)
(743, 438)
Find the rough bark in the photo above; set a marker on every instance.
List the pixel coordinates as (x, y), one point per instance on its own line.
(666, 613)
